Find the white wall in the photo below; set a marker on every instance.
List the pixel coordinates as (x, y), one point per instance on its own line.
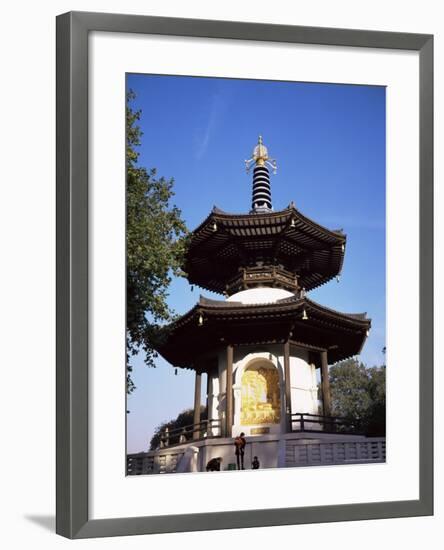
(27, 286)
(303, 384)
(260, 295)
(266, 448)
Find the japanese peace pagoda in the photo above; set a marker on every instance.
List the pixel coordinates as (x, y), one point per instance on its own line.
(265, 346)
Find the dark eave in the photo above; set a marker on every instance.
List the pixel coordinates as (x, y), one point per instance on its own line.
(224, 242)
(211, 324)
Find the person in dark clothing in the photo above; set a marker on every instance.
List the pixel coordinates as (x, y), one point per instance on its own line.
(255, 464)
(239, 444)
(214, 464)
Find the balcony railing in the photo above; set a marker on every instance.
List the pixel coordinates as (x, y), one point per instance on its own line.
(305, 422)
(202, 430)
(298, 422)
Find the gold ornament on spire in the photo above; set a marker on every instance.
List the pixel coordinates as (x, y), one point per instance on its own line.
(260, 157)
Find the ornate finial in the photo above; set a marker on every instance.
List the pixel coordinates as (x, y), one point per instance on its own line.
(260, 157)
(261, 200)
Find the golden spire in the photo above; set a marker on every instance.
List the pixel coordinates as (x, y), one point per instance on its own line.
(260, 157)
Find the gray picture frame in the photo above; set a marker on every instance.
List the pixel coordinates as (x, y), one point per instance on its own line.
(72, 517)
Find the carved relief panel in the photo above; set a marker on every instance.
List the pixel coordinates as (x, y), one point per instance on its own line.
(260, 396)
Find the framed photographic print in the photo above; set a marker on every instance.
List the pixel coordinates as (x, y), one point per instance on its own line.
(244, 274)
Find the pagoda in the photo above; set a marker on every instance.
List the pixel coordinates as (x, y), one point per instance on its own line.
(265, 345)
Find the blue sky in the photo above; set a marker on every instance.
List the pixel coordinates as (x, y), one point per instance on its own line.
(329, 142)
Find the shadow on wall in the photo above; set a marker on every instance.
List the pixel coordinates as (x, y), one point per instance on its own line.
(46, 522)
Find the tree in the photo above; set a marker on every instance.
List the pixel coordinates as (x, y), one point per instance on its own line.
(185, 418)
(358, 394)
(155, 247)
(376, 413)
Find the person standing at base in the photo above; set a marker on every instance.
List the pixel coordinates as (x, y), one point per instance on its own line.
(239, 444)
(255, 464)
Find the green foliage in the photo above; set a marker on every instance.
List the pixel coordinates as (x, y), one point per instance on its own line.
(358, 394)
(376, 414)
(185, 418)
(155, 247)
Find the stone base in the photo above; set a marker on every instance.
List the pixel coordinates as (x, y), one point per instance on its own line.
(272, 450)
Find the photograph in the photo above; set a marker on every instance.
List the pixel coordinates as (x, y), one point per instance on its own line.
(255, 253)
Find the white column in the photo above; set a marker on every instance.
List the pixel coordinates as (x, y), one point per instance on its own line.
(213, 400)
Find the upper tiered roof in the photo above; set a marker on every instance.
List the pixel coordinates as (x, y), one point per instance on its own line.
(223, 245)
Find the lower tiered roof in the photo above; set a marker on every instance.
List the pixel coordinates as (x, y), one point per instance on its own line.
(212, 324)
